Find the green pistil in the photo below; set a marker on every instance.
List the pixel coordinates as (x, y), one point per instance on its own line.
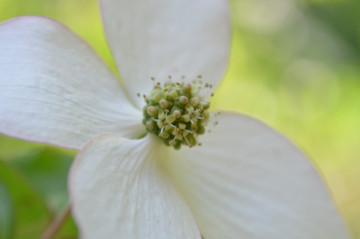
(177, 113)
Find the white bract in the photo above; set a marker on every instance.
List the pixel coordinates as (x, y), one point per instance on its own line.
(245, 181)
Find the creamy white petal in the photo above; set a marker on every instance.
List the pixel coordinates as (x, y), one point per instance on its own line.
(247, 181)
(55, 89)
(119, 190)
(157, 38)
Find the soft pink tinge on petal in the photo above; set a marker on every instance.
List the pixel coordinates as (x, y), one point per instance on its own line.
(247, 181)
(119, 190)
(158, 38)
(55, 89)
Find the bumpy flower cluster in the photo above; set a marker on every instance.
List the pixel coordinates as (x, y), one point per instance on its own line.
(176, 112)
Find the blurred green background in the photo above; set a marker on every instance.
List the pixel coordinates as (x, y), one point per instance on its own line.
(294, 65)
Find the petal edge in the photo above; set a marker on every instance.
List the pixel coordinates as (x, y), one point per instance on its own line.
(247, 181)
(55, 89)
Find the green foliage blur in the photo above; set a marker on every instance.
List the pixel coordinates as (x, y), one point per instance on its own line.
(294, 65)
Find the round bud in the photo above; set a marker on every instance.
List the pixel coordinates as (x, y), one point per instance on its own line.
(152, 110)
(164, 134)
(187, 89)
(195, 101)
(176, 114)
(157, 97)
(174, 95)
(183, 100)
(201, 130)
(150, 124)
(163, 104)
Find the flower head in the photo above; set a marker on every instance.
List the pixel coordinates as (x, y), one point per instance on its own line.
(177, 113)
(244, 181)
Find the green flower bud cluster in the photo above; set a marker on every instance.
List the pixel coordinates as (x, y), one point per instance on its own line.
(176, 112)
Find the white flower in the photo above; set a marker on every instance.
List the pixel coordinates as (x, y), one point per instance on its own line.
(245, 181)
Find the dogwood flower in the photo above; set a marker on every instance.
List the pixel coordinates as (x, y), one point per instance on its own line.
(244, 181)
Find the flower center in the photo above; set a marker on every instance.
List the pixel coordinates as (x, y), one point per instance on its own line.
(176, 112)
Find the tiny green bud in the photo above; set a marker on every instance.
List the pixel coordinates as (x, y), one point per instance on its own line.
(152, 110)
(194, 127)
(176, 114)
(177, 146)
(145, 109)
(157, 97)
(195, 101)
(150, 124)
(201, 130)
(205, 105)
(190, 140)
(163, 104)
(164, 134)
(187, 89)
(206, 114)
(183, 100)
(174, 94)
